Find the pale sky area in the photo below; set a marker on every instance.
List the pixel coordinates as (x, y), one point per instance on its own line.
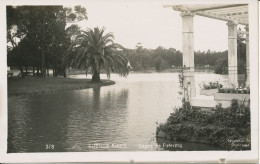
(152, 25)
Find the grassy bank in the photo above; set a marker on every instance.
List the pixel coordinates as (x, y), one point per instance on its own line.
(33, 85)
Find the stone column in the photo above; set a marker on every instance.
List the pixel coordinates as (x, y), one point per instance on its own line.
(247, 58)
(232, 53)
(188, 53)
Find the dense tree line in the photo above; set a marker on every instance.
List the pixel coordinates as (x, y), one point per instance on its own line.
(161, 58)
(38, 36)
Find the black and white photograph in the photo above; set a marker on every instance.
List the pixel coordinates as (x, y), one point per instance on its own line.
(125, 76)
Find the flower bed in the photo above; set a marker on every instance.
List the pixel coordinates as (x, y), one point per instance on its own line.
(210, 89)
(240, 90)
(211, 85)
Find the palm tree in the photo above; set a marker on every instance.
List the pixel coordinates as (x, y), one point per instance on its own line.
(96, 50)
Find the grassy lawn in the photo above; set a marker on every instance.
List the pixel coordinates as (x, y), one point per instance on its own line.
(32, 85)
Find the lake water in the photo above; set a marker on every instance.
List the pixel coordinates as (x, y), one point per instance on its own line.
(121, 117)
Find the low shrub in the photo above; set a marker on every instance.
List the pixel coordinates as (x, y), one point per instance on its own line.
(211, 85)
(228, 128)
(221, 66)
(241, 90)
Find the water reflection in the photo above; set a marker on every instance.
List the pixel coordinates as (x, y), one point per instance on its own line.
(65, 119)
(125, 113)
(18, 123)
(100, 119)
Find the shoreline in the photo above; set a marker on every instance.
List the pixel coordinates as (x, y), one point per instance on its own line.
(173, 70)
(36, 85)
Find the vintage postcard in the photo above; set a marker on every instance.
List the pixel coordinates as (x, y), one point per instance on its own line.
(129, 81)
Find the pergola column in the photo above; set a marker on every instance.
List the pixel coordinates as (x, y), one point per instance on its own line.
(232, 53)
(188, 54)
(247, 58)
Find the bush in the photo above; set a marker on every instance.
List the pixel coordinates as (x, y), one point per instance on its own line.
(228, 128)
(240, 90)
(211, 85)
(221, 66)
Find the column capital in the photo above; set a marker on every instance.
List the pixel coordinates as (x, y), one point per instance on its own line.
(232, 23)
(232, 29)
(187, 14)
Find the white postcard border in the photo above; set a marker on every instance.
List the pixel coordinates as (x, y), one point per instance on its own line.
(180, 156)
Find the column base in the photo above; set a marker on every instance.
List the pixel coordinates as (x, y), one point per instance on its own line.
(232, 79)
(232, 76)
(189, 84)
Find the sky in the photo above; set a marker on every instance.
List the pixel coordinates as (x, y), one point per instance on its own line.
(149, 23)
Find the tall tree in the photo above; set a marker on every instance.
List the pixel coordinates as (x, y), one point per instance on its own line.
(42, 25)
(96, 50)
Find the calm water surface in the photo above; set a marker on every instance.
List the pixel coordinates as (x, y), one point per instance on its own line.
(121, 117)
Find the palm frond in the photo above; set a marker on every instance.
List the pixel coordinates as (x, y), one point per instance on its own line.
(94, 49)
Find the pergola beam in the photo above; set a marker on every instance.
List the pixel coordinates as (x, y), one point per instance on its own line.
(224, 18)
(234, 12)
(180, 8)
(219, 7)
(231, 10)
